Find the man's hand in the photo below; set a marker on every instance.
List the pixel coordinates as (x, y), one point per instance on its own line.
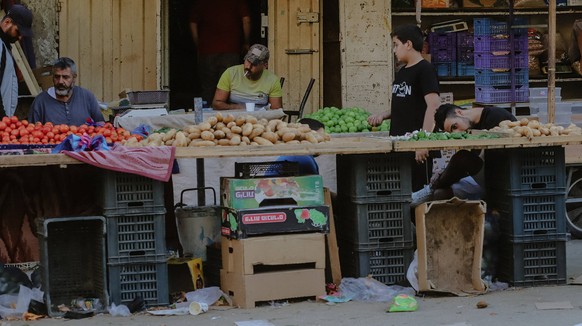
(421, 156)
(377, 118)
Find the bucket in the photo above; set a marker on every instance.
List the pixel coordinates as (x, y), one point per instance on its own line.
(198, 226)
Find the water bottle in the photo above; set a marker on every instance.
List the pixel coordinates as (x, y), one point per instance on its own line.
(198, 116)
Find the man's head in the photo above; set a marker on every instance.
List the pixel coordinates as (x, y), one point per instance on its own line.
(406, 38)
(256, 60)
(17, 23)
(449, 117)
(64, 76)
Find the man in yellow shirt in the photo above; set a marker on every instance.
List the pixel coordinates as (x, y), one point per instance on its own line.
(249, 82)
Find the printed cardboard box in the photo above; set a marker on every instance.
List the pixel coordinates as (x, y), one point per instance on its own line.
(240, 224)
(261, 192)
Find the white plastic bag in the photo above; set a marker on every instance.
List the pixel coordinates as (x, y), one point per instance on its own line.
(369, 289)
(121, 310)
(207, 295)
(21, 301)
(412, 272)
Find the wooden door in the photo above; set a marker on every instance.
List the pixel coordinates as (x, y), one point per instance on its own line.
(115, 43)
(294, 41)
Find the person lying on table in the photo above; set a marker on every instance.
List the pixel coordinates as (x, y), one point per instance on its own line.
(65, 103)
(456, 178)
(250, 82)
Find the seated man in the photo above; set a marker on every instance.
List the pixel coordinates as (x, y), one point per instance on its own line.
(65, 103)
(249, 82)
(455, 179)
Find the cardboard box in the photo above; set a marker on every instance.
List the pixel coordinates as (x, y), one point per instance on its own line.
(185, 274)
(260, 192)
(485, 4)
(44, 77)
(435, 3)
(449, 237)
(240, 224)
(247, 290)
(247, 256)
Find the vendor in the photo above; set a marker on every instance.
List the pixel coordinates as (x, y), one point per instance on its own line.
(249, 82)
(65, 103)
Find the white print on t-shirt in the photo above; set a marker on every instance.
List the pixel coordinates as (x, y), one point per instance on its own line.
(402, 90)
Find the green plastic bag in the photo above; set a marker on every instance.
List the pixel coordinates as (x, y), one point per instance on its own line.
(403, 302)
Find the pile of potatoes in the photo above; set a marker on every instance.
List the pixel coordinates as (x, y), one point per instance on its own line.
(533, 128)
(244, 130)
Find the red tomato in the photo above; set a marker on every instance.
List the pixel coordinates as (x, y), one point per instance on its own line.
(3, 125)
(23, 132)
(6, 120)
(50, 135)
(24, 122)
(14, 119)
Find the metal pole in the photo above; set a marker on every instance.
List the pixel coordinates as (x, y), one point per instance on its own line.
(551, 61)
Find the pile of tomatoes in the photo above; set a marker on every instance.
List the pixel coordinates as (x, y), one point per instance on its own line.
(15, 131)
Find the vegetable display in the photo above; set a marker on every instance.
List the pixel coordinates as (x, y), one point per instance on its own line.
(346, 120)
(228, 130)
(533, 128)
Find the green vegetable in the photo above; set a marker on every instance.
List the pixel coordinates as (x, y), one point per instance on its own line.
(346, 120)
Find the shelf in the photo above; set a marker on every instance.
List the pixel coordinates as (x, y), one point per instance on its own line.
(471, 81)
(484, 11)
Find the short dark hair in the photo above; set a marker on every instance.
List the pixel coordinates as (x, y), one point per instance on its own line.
(409, 32)
(64, 63)
(442, 113)
(312, 123)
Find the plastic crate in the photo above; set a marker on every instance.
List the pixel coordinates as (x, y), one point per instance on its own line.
(531, 213)
(445, 69)
(126, 193)
(488, 26)
(487, 60)
(137, 237)
(148, 97)
(148, 280)
(371, 175)
(532, 263)
(525, 168)
(495, 94)
(388, 266)
(465, 55)
(443, 55)
(72, 260)
(543, 92)
(465, 40)
(465, 69)
(489, 43)
(488, 77)
(442, 41)
(248, 170)
(385, 223)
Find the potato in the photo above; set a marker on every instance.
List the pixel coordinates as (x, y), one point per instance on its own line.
(224, 142)
(236, 130)
(310, 137)
(293, 142)
(240, 120)
(180, 140)
(281, 125)
(245, 140)
(257, 131)
(218, 116)
(219, 134)
(263, 122)
(534, 124)
(229, 118)
(254, 144)
(536, 132)
(212, 121)
(242, 143)
(204, 126)
(192, 128)
(235, 140)
(304, 129)
(523, 121)
(289, 136)
(219, 126)
(262, 141)
(204, 143)
(247, 129)
(207, 135)
(271, 136)
(251, 119)
(272, 125)
(169, 142)
(169, 135)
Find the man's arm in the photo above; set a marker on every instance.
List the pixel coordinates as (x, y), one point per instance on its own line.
(433, 101)
(377, 118)
(276, 102)
(220, 101)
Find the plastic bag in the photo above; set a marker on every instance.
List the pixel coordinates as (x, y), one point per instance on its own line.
(412, 272)
(20, 301)
(207, 295)
(119, 311)
(402, 303)
(369, 289)
(82, 143)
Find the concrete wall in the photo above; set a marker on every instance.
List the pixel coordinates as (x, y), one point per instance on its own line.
(45, 29)
(366, 54)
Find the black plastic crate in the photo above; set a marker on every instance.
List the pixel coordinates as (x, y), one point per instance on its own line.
(380, 222)
(387, 265)
(126, 193)
(530, 213)
(246, 170)
(136, 238)
(371, 175)
(533, 263)
(146, 279)
(531, 168)
(72, 261)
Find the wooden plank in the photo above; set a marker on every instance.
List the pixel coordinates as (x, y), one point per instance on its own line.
(573, 154)
(22, 63)
(151, 33)
(405, 146)
(333, 251)
(110, 58)
(94, 42)
(84, 58)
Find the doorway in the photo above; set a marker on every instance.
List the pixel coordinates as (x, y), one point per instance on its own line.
(184, 82)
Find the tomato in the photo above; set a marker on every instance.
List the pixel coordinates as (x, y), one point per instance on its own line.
(18, 124)
(108, 140)
(50, 135)
(8, 129)
(106, 133)
(14, 119)
(73, 129)
(15, 132)
(23, 132)
(36, 140)
(12, 126)
(6, 120)
(3, 125)
(24, 122)
(64, 129)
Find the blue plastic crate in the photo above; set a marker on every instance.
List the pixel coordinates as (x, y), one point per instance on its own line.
(494, 95)
(442, 41)
(370, 175)
(375, 222)
(465, 69)
(532, 263)
(488, 26)
(387, 265)
(488, 77)
(445, 69)
(465, 39)
(527, 214)
(488, 60)
(443, 55)
(126, 193)
(136, 237)
(146, 279)
(488, 43)
(530, 168)
(465, 55)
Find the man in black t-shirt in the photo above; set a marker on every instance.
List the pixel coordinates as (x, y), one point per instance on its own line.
(456, 177)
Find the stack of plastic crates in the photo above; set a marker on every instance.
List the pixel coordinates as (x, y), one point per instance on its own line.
(501, 61)
(136, 248)
(373, 219)
(465, 54)
(443, 53)
(526, 186)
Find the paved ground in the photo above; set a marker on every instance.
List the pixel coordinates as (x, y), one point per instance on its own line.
(509, 307)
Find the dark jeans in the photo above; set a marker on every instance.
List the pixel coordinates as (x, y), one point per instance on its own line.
(462, 164)
(210, 68)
